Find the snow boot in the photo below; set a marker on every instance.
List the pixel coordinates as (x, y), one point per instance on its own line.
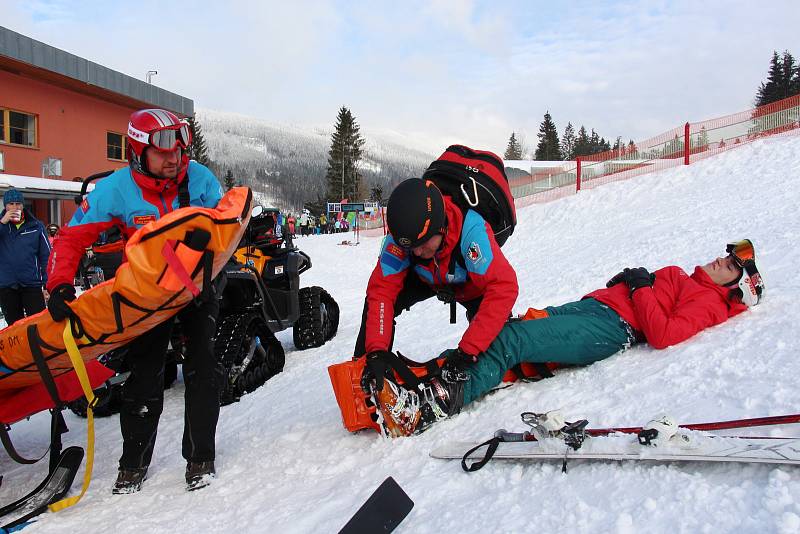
(404, 412)
(199, 474)
(129, 480)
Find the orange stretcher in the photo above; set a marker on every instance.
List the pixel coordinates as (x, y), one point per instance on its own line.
(169, 262)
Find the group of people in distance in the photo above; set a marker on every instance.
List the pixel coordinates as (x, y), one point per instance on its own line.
(433, 247)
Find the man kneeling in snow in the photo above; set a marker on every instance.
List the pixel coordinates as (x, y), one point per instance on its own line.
(661, 308)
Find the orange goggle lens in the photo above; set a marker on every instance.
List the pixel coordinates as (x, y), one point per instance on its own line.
(741, 251)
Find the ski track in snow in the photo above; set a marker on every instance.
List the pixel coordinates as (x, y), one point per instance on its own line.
(286, 464)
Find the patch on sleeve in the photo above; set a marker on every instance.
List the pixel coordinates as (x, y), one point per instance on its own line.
(141, 220)
(474, 252)
(393, 259)
(396, 251)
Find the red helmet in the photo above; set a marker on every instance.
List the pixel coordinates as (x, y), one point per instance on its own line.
(158, 129)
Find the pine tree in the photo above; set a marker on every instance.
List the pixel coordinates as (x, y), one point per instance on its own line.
(582, 147)
(198, 150)
(229, 182)
(770, 91)
(568, 141)
(342, 177)
(549, 147)
(514, 149)
(788, 70)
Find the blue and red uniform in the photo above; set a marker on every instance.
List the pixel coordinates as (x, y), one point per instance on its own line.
(129, 201)
(485, 277)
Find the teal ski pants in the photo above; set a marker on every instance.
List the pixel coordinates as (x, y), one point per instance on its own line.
(576, 333)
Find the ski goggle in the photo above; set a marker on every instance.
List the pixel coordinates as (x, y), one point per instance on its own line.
(749, 285)
(165, 139)
(741, 251)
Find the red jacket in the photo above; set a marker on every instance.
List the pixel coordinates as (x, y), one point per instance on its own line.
(485, 273)
(677, 306)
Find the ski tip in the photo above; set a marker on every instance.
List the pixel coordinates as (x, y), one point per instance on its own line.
(383, 511)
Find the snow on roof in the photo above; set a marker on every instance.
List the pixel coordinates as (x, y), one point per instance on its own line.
(41, 187)
(527, 164)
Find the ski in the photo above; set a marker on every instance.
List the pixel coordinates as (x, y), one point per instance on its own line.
(661, 440)
(382, 512)
(52, 488)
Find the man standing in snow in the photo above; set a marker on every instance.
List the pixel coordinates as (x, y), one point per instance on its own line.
(24, 249)
(419, 260)
(661, 308)
(159, 179)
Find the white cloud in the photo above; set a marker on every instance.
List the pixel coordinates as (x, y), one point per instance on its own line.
(464, 70)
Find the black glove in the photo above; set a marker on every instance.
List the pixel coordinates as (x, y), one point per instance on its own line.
(376, 369)
(635, 278)
(57, 305)
(457, 357)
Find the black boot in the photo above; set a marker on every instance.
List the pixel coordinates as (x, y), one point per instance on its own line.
(199, 474)
(129, 480)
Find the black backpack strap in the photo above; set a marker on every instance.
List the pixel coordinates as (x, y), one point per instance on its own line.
(183, 192)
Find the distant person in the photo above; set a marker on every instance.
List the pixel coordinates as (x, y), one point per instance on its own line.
(24, 249)
(52, 230)
(662, 308)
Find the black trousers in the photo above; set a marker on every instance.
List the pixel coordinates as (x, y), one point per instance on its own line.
(17, 303)
(143, 392)
(414, 291)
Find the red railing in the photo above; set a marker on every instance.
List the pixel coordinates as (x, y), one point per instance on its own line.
(680, 146)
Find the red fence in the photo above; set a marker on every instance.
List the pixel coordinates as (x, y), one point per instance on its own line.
(679, 146)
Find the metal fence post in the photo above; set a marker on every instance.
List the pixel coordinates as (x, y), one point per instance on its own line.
(686, 150)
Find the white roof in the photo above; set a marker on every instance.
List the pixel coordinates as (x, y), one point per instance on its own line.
(33, 187)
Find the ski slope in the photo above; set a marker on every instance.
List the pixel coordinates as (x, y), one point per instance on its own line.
(285, 463)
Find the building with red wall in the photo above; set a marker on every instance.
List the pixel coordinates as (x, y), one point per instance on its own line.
(63, 117)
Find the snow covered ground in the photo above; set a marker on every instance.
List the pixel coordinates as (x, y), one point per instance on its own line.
(286, 464)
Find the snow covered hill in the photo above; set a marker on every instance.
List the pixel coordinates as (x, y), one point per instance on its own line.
(286, 464)
(289, 162)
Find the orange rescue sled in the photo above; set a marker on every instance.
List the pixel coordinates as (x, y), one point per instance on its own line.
(169, 263)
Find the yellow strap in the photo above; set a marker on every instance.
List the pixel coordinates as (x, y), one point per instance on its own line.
(80, 370)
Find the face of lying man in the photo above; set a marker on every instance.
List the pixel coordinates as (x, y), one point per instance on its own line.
(723, 271)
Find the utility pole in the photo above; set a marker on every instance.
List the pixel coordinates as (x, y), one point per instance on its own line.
(150, 74)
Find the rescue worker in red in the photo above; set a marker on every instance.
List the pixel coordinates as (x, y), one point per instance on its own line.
(662, 308)
(435, 249)
(159, 179)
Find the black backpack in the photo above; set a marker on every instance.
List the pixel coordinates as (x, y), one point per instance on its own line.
(476, 179)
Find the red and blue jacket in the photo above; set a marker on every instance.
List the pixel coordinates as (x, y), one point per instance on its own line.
(23, 253)
(128, 201)
(677, 306)
(485, 273)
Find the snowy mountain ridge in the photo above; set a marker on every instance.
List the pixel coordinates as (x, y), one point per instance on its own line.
(289, 162)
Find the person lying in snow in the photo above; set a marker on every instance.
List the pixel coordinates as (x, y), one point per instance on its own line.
(661, 308)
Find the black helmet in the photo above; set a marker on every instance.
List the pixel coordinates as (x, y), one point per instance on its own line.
(415, 212)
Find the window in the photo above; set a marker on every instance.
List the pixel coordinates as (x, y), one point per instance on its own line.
(17, 127)
(2, 163)
(115, 146)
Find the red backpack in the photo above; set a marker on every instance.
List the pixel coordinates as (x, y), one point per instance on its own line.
(476, 179)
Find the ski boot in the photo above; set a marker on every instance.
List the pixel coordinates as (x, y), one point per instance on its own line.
(199, 475)
(129, 480)
(405, 412)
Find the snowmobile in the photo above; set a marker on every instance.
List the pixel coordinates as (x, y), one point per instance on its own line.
(263, 296)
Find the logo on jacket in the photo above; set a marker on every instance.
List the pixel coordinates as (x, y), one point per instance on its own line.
(474, 252)
(85, 205)
(396, 251)
(141, 220)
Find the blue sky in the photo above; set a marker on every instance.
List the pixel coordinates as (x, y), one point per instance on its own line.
(443, 70)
